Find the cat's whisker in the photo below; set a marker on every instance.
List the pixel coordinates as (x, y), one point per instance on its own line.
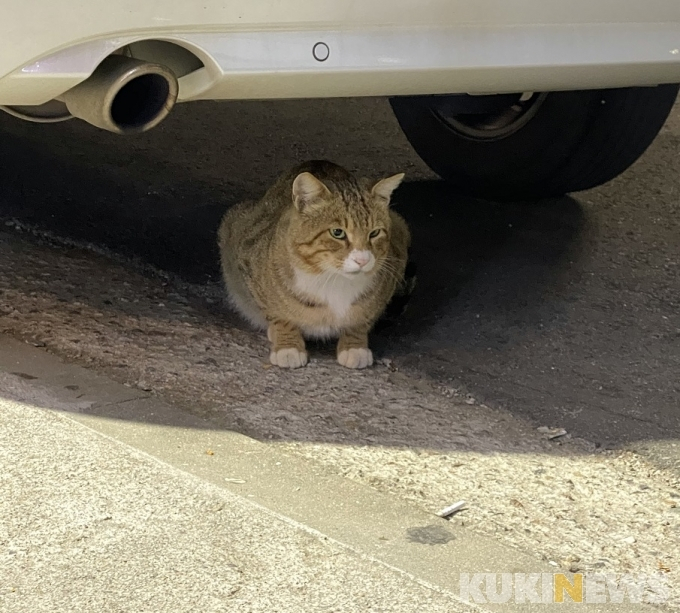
(392, 271)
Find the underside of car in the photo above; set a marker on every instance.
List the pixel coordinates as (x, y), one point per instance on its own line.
(507, 100)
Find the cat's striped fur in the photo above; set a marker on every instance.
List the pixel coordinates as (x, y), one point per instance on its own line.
(319, 256)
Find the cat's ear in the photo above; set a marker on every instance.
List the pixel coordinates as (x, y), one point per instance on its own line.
(383, 189)
(308, 190)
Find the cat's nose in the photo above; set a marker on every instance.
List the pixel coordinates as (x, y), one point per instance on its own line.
(361, 259)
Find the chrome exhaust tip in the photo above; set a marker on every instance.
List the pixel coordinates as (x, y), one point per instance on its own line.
(124, 95)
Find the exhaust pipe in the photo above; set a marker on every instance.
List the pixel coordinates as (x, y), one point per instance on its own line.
(124, 95)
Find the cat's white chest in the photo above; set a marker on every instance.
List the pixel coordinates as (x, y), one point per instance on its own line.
(334, 290)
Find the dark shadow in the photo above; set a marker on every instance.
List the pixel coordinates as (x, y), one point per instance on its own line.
(171, 227)
(456, 240)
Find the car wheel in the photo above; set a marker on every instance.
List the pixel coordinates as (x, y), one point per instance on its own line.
(534, 145)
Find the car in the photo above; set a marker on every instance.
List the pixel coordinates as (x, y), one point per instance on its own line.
(510, 99)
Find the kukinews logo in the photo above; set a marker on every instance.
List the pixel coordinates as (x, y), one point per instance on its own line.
(547, 588)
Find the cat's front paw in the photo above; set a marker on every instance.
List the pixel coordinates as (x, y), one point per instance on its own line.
(361, 357)
(290, 357)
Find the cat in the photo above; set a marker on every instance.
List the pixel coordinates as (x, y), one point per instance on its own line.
(319, 256)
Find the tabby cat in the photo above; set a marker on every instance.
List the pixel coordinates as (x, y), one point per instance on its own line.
(319, 256)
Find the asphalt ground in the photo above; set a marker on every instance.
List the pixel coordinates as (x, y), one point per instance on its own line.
(564, 311)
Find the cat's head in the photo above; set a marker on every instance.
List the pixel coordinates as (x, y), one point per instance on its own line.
(342, 227)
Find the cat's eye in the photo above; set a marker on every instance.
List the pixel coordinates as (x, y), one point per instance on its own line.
(338, 233)
(374, 234)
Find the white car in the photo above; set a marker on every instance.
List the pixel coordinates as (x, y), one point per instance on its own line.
(506, 98)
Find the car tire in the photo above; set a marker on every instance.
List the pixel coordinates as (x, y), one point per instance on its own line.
(541, 145)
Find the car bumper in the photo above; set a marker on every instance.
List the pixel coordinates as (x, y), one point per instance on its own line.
(429, 49)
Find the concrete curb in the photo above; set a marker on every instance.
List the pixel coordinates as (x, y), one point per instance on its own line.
(380, 528)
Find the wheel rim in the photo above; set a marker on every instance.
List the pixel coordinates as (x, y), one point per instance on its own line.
(498, 124)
